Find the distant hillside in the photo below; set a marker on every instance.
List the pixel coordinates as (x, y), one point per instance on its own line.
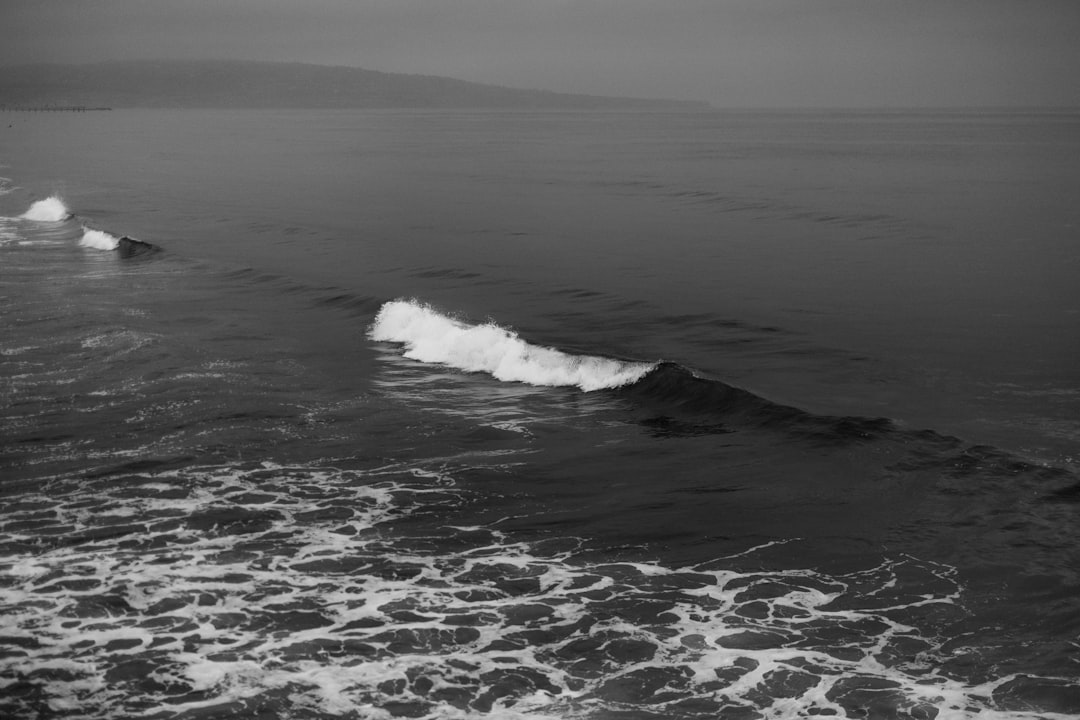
(234, 84)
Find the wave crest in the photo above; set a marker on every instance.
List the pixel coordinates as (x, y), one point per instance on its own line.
(51, 209)
(431, 337)
(98, 239)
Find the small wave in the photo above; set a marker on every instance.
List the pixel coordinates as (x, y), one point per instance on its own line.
(432, 337)
(99, 240)
(126, 246)
(674, 389)
(678, 394)
(51, 209)
(682, 389)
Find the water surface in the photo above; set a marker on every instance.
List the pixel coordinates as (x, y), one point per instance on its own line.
(446, 414)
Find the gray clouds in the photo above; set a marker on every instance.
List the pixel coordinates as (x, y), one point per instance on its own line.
(729, 52)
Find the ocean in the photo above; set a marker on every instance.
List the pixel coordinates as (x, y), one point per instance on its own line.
(590, 415)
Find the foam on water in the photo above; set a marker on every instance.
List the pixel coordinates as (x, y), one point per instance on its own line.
(432, 337)
(7, 231)
(51, 209)
(269, 590)
(98, 240)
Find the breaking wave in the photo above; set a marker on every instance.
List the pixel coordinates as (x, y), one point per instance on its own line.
(98, 240)
(51, 209)
(431, 337)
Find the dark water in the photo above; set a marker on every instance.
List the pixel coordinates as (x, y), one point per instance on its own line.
(540, 415)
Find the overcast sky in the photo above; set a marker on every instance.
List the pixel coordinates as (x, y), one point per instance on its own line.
(742, 53)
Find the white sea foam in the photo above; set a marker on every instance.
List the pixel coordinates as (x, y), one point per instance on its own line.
(253, 589)
(431, 337)
(51, 209)
(98, 239)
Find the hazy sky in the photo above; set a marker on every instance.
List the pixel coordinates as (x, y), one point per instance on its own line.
(730, 52)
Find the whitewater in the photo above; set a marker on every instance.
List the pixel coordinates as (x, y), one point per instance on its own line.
(51, 209)
(430, 336)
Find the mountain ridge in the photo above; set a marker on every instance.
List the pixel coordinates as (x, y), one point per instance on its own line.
(257, 84)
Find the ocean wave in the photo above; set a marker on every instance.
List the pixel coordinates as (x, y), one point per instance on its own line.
(432, 337)
(51, 209)
(125, 246)
(99, 240)
(674, 389)
(668, 388)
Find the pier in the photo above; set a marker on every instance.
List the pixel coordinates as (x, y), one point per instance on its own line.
(52, 108)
